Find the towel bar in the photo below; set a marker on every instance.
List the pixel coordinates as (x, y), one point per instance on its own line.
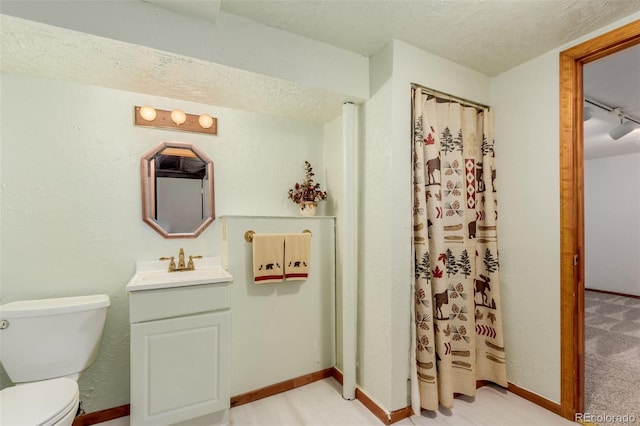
(248, 236)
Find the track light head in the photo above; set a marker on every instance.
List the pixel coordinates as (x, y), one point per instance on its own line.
(622, 130)
(588, 113)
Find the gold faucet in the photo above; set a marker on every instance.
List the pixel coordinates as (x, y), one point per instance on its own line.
(181, 259)
(172, 263)
(190, 266)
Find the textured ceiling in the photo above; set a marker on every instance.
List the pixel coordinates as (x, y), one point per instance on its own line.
(31, 48)
(488, 36)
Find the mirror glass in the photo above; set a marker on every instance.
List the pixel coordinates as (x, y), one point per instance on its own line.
(177, 190)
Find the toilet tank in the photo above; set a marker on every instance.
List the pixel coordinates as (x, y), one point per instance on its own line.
(48, 338)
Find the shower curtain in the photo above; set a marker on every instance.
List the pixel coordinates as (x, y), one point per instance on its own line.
(458, 336)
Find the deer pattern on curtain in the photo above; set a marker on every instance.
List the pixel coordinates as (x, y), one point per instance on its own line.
(458, 321)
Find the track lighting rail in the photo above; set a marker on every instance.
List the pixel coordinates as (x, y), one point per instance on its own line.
(609, 109)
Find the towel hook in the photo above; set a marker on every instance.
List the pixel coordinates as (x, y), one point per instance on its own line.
(248, 235)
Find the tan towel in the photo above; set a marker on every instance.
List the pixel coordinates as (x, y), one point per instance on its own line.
(268, 256)
(297, 256)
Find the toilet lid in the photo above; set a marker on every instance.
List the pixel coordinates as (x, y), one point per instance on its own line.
(39, 402)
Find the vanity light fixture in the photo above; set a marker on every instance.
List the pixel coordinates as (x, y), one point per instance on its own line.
(206, 121)
(178, 116)
(148, 113)
(176, 119)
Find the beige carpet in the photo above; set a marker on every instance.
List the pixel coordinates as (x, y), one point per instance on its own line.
(612, 357)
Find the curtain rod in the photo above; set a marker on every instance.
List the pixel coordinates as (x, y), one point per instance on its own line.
(445, 96)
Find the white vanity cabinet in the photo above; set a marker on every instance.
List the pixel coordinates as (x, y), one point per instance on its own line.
(180, 351)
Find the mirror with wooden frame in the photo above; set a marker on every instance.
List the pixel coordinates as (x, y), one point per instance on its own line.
(177, 190)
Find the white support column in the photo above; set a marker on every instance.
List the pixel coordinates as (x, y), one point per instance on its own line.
(350, 254)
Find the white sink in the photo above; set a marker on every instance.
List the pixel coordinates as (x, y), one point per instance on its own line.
(154, 275)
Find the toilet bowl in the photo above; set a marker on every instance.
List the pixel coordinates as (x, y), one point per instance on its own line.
(47, 403)
(46, 345)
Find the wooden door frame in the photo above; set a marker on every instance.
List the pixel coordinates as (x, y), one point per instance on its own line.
(572, 208)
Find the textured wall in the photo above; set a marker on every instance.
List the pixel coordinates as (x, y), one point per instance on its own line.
(374, 332)
(286, 329)
(71, 207)
(528, 195)
(526, 101)
(612, 223)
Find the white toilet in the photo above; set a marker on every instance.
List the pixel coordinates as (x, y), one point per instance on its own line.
(44, 346)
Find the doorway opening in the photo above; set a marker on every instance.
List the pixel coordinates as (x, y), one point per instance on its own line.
(572, 208)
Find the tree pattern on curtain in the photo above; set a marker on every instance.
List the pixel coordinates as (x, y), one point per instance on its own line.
(458, 321)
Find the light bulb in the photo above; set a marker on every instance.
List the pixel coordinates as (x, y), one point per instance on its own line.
(178, 116)
(148, 113)
(205, 121)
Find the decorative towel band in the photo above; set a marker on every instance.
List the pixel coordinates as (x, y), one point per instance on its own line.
(248, 235)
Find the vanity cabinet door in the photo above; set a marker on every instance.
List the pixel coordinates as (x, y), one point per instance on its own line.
(180, 368)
